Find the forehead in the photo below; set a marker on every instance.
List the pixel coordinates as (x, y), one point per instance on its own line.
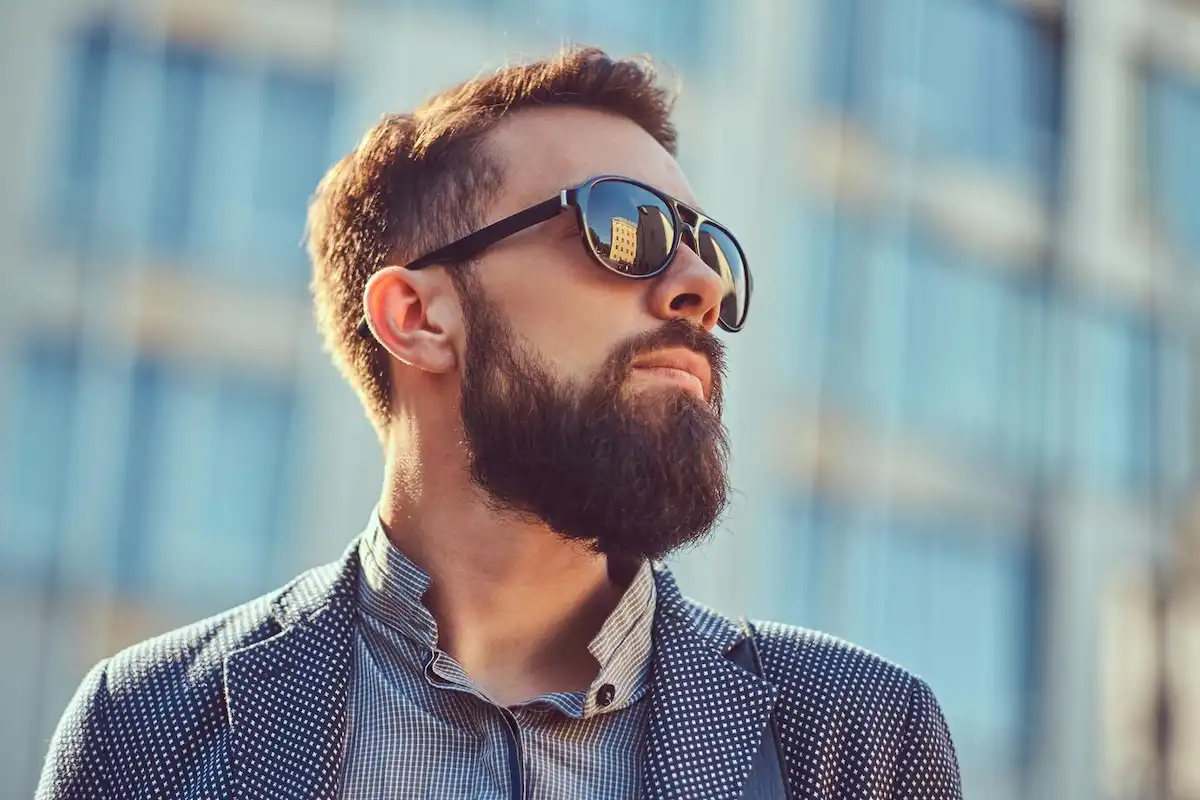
(543, 150)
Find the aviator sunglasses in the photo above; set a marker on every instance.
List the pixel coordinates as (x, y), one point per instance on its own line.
(630, 229)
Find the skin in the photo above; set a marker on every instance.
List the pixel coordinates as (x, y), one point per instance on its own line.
(516, 605)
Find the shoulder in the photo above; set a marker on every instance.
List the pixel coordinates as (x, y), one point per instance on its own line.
(807, 659)
(162, 701)
(829, 689)
(189, 659)
(799, 658)
(838, 698)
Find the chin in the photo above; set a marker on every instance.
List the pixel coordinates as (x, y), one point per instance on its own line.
(665, 406)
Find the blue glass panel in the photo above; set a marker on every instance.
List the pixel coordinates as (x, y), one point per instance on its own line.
(37, 467)
(294, 151)
(1113, 400)
(144, 469)
(973, 79)
(1035, 58)
(848, 338)
(1174, 158)
(814, 231)
(173, 183)
(287, 143)
(955, 44)
(205, 471)
(86, 97)
(813, 525)
(844, 71)
(249, 461)
(1025, 348)
(956, 319)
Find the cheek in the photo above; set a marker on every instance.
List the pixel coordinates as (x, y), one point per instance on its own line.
(575, 315)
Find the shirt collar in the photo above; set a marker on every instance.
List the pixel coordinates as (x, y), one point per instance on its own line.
(624, 644)
(392, 588)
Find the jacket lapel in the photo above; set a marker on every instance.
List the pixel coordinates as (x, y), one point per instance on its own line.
(707, 714)
(287, 695)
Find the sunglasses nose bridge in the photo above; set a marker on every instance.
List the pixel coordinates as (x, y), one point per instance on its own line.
(689, 225)
(689, 235)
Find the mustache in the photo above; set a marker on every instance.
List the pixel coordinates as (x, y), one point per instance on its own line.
(677, 332)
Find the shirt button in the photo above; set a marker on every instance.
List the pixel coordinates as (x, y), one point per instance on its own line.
(605, 695)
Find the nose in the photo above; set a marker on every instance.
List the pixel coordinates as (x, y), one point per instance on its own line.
(689, 289)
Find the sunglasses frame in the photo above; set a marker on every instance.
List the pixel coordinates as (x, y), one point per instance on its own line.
(576, 199)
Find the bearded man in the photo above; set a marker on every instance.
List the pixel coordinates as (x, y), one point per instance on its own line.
(519, 283)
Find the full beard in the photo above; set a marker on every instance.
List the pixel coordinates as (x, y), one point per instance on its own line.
(634, 475)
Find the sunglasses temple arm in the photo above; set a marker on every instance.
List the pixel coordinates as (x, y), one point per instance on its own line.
(474, 243)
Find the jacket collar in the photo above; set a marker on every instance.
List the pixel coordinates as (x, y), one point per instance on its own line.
(287, 695)
(707, 714)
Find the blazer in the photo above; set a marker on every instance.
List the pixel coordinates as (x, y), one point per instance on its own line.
(252, 704)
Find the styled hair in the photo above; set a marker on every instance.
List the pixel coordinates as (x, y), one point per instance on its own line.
(418, 181)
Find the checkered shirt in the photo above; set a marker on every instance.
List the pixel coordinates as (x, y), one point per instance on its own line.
(418, 726)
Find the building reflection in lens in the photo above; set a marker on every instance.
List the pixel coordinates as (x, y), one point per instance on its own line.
(624, 243)
(640, 248)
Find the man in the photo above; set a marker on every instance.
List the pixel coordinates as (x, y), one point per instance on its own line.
(520, 285)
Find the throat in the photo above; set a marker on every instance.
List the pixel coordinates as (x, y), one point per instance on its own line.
(517, 649)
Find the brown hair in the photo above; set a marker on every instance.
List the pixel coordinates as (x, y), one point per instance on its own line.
(418, 181)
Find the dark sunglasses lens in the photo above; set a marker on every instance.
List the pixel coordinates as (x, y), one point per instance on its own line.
(719, 250)
(631, 228)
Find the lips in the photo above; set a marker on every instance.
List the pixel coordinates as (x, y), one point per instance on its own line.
(690, 369)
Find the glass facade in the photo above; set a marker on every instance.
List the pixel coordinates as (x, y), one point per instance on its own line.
(204, 161)
(973, 80)
(205, 476)
(1017, 377)
(191, 156)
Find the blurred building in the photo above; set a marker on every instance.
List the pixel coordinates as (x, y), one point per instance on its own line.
(963, 411)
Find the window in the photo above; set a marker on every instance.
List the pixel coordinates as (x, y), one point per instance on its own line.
(903, 323)
(859, 276)
(848, 63)
(37, 466)
(191, 154)
(958, 314)
(289, 166)
(976, 357)
(968, 79)
(88, 94)
(1112, 403)
(205, 483)
(945, 602)
(173, 182)
(830, 329)
(1173, 160)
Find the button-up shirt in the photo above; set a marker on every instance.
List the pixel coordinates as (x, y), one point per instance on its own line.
(418, 726)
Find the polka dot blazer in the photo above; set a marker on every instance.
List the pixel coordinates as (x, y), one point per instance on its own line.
(252, 704)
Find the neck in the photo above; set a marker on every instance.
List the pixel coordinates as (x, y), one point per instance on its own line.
(516, 605)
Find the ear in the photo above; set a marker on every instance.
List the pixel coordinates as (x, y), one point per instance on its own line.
(412, 313)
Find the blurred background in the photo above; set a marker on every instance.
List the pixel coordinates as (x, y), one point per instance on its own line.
(964, 410)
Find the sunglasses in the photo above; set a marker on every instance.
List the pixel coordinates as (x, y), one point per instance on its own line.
(630, 229)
